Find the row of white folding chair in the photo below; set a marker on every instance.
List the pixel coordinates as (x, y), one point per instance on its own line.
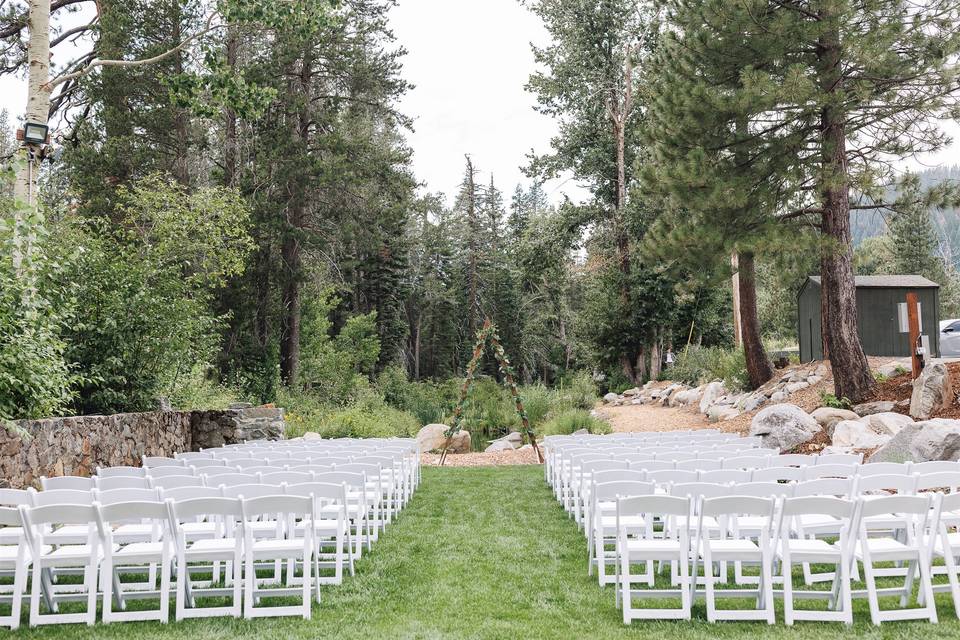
(864, 537)
(370, 486)
(103, 522)
(576, 472)
(565, 463)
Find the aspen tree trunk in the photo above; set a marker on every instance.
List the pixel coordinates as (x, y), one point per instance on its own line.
(38, 108)
(851, 372)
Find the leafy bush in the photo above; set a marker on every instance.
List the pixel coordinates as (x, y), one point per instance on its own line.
(336, 369)
(430, 402)
(143, 288)
(579, 391)
(36, 380)
(367, 417)
(574, 420)
(697, 365)
(198, 390)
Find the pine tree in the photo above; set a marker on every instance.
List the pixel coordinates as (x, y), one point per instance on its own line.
(818, 95)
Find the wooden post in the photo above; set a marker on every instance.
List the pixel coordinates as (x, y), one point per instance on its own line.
(913, 321)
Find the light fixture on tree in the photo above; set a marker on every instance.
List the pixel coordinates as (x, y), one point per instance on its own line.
(34, 133)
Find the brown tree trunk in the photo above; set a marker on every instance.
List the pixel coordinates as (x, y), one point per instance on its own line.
(290, 250)
(851, 372)
(656, 355)
(759, 369)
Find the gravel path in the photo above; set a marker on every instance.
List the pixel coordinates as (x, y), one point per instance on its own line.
(641, 417)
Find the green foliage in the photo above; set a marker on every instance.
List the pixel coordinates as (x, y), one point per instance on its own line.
(141, 290)
(572, 420)
(698, 365)
(832, 401)
(431, 403)
(367, 417)
(335, 369)
(36, 379)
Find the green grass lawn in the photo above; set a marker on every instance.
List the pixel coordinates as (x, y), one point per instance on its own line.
(484, 553)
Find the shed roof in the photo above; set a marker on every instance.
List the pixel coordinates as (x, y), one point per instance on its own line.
(889, 282)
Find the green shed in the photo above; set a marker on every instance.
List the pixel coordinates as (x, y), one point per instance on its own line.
(877, 315)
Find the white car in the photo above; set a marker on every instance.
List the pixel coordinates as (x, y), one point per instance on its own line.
(950, 338)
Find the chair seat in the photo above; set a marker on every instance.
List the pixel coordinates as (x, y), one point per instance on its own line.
(804, 549)
(71, 534)
(953, 542)
(731, 546)
(656, 549)
(321, 525)
(884, 549)
(609, 523)
(70, 554)
(134, 532)
(211, 546)
(274, 547)
(139, 549)
(193, 530)
(10, 535)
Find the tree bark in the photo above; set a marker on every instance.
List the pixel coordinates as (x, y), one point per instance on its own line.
(759, 369)
(416, 348)
(296, 219)
(851, 372)
(28, 160)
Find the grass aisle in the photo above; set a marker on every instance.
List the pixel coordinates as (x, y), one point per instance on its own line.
(484, 553)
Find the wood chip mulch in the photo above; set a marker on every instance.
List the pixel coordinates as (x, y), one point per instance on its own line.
(900, 388)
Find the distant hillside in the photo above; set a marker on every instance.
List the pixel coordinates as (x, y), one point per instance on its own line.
(867, 224)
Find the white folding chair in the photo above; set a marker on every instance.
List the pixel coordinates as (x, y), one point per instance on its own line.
(72, 483)
(40, 524)
(777, 474)
(699, 465)
(151, 462)
(281, 547)
(9, 534)
(331, 527)
(170, 470)
(176, 482)
(285, 477)
(875, 544)
(839, 458)
(232, 479)
(793, 460)
(157, 552)
(358, 506)
(15, 558)
(838, 470)
(807, 551)
(602, 531)
(121, 482)
(650, 548)
(650, 465)
(121, 472)
(732, 547)
(221, 545)
(747, 462)
(726, 476)
(884, 468)
(665, 478)
(935, 466)
(945, 544)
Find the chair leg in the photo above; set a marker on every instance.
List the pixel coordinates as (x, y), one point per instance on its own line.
(926, 586)
(767, 586)
(871, 590)
(165, 586)
(108, 585)
(90, 581)
(19, 585)
(786, 569)
(626, 599)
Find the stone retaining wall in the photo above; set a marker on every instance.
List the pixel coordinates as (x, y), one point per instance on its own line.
(77, 445)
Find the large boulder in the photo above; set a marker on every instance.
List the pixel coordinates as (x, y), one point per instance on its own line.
(430, 437)
(828, 417)
(686, 397)
(857, 435)
(460, 442)
(870, 408)
(931, 391)
(937, 439)
(710, 394)
(632, 392)
(499, 445)
(784, 426)
(721, 412)
(611, 398)
(887, 422)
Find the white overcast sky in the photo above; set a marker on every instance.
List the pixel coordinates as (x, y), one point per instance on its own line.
(469, 61)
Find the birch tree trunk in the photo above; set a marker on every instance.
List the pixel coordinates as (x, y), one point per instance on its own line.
(38, 107)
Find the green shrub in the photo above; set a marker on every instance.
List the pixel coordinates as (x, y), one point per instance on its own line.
(430, 402)
(830, 400)
(698, 365)
(574, 420)
(579, 391)
(367, 417)
(197, 391)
